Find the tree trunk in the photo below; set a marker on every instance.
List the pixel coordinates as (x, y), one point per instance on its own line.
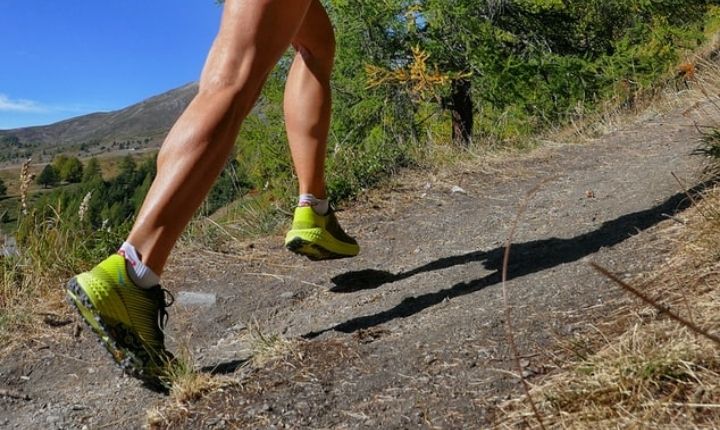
(461, 108)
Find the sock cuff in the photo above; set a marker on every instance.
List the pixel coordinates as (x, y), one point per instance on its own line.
(139, 273)
(320, 206)
(308, 199)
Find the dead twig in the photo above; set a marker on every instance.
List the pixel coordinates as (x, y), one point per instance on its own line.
(690, 196)
(508, 314)
(281, 278)
(55, 320)
(12, 394)
(660, 308)
(674, 218)
(685, 299)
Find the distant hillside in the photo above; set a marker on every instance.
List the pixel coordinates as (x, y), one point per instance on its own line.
(140, 126)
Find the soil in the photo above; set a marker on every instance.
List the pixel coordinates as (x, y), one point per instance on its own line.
(411, 333)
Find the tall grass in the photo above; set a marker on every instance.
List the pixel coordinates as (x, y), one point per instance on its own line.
(50, 249)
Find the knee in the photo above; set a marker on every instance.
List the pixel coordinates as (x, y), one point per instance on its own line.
(228, 71)
(231, 86)
(218, 81)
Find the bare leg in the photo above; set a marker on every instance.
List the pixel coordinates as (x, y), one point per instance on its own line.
(308, 99)
(252, 37)
(307, 118)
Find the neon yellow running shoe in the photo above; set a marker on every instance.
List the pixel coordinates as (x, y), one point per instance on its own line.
(129, 320)
(319, 237)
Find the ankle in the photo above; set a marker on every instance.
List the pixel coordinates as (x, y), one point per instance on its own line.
(319, 206)
(140, 274)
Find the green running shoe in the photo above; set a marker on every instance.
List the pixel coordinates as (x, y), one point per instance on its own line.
(129, 320)
(319, 237)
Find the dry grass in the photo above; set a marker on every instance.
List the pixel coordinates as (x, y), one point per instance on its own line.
(190, 387)
(30, 297)
(244, 404)
(268, 347)
(187, 384)
(649, 371)
(27, 312)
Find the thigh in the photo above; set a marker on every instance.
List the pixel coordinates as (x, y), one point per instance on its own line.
(253, 35)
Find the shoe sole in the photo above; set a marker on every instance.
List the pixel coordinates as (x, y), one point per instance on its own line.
(308, 244)
(311, 250)
(115, 338)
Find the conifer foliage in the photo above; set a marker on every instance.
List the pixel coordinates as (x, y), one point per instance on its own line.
(507, 68)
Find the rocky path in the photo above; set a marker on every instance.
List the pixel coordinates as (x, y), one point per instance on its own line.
(410, 333)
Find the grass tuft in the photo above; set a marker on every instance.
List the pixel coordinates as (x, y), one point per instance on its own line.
(190, 387)
(188, 384)
(267, 347)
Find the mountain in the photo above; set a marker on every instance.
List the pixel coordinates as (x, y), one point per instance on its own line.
(140, 126)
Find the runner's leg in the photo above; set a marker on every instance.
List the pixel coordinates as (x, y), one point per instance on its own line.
(252, 37)
(315, 231)
(308, 101)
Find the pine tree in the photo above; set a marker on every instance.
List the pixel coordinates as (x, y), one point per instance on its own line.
(72, 170)
(59, 162)
(127, 169)
(48, 177)
(92, 171)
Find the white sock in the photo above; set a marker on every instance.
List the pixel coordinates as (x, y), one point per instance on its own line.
(321, 207)
(139, 273)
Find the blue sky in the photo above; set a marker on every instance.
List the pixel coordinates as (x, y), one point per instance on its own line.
(60, 59)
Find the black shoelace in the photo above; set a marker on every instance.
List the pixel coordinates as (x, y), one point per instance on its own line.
(164, 302)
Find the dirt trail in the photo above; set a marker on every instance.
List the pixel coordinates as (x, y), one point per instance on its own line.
(410, 333)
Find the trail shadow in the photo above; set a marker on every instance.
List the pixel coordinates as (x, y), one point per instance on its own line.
(155, 385)
(526, 258)
(368, 279)
(225, 368)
